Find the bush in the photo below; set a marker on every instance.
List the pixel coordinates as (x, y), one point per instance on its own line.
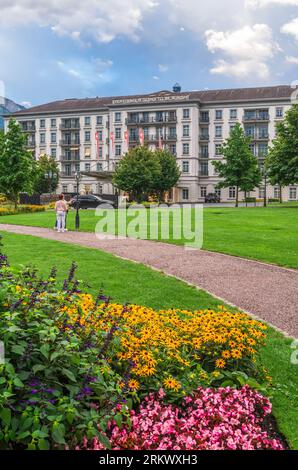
(56, 384)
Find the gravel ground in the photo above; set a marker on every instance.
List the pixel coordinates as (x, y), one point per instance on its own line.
(267, 291)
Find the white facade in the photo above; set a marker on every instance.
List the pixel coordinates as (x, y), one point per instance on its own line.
(192, 128)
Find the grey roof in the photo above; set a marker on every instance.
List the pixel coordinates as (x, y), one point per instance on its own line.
(207, 96)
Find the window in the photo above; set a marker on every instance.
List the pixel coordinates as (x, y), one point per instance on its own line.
(42, 138)
(218, 132)
(204, 151)
(185, 149)
(186, 130)
(218, 192)
(67, 170)
(118, 117)
(99, 120)
(204, 168)
(100, 150)
(64, 188)
(87, 120)
(233, 113)
(263, 132)
(99, 166)
(172, 149)
(118, 133)
(186, 114)
(261, 192)
(232, 192)
(87, 166)
(146, 133)
(77, 167)
(87, 152)
(218, 114)
(203, 191)
(185, 167)
(217, 149)
(53, 122)
(249, 131)
(252, 148)
(205, 116)
(118, 150)
(53, 152)
(276, 192)
(53, 138)
(87, 136)
(279, 112)
(262, 150)
(293, 193)
(185, 194)
(173, 132)
(42, 123)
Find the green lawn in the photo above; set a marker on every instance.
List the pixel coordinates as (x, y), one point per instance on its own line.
(266, 234)
(130, 282)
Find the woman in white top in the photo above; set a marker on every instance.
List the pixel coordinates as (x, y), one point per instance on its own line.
(61, 209)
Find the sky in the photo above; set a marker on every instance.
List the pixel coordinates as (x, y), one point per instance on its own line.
(57, 49)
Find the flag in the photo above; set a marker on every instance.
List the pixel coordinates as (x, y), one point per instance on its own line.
(141, 136)
(97, 138)
(112, 139)
(160, 139)
(126, 137)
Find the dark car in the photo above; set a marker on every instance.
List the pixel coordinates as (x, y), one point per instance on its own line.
(89, 201)
(212, 198)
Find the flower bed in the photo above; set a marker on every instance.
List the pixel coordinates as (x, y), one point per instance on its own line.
(77, 368)
(22, 209)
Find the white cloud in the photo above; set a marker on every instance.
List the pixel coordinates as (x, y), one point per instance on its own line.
(265, 3)
(99, 19)
(248, 51)
(155, 77)
(291, 59)
(27, 104)
(89, 73)
(291, 28)
(163, 68)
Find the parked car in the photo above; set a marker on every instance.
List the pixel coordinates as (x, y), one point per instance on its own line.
(89, 201)
(212, 198)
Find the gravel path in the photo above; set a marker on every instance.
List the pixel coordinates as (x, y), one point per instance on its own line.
(268, 291)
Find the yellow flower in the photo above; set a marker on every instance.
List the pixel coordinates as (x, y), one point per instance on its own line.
(172, 384)
(216, 373)
(220, 363)
(134, 384)
(226, 354)
(236, 354)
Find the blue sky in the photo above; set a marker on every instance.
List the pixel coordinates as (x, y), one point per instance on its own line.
(51, 49)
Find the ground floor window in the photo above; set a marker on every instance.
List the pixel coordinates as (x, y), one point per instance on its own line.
(232, 192)
(203, 191)
(293, 193)
(276, 192)
(261, 192)
(64, 188)
(185, 194)
(218, 192)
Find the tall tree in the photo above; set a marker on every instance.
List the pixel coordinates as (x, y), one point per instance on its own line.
(137, 172)
(169, 172)
(17, 165)
(47, 175)
(239, 167)
(282, 160)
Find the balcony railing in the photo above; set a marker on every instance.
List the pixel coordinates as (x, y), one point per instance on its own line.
(70, 158)
(203, 155)
(204, 137)
(205, 120)
(30, 143)
(256, 117)
(28, 128)
(68, 142)
(70, 126)
(203, 173)
(150, 120)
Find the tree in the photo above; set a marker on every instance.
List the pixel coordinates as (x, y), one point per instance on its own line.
(169, 172)
(137, 172)
(282, 160)
(240, 167)
(17, 165)
(47, 175)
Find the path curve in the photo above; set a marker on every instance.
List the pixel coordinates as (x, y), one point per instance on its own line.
(267, 291)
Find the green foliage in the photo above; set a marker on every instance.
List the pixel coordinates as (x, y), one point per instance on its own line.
(282, 160)
(142, 172)
(47, 175)
(55, 385)
(240, 166)
(17, 166)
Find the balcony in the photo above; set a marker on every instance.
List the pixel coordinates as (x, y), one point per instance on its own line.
(70, 158)
(256, 117)
(203, 155)
(69, 142)
(262, 136)
(151, 120)
(28, 128)
(204, 120)
(203, 174)
(30, 143)
(70, 126)
(204, 137)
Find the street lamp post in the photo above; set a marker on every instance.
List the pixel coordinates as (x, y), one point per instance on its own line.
(77, 176)
(265, 185)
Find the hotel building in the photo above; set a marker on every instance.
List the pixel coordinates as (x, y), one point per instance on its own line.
(91, 135)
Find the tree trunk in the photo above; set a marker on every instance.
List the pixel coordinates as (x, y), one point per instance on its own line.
(15, 200)
(280, 194)
(237, 197)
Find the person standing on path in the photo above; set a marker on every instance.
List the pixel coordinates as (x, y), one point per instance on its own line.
(61, 210)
